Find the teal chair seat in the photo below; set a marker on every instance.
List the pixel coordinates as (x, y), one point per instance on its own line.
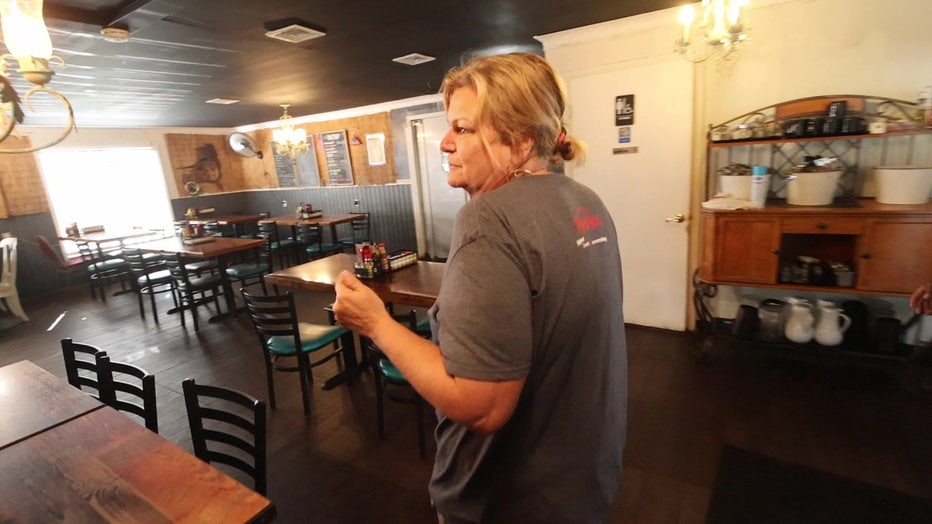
(390, 371)
(156, 278)
(284, 243)
(200, 267)
(240, 271)
(423, 327)
(313, 337)
(107, 265)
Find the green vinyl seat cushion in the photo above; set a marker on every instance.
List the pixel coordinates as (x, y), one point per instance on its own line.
(390, 371)
(313, 337)
(247, 270)
(107, 265)
(158, 277)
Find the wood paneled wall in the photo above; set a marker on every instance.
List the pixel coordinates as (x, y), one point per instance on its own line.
(21, 189)
(208, 160)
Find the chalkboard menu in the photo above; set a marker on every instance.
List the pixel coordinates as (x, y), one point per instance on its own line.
(336, 154)
(284, 168)
(302, 172)
(308, 173)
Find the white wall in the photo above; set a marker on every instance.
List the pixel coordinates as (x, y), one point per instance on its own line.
(806, 48)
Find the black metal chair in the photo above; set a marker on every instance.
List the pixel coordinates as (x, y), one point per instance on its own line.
(81, 366)
(282, 247)
(311, 237)
(151, 278)
(253, 272)
(128, 388)
(102, 269)
(217, 229)
(193, 291)
(281, 335)
(390, 383)
(219, 424)
(360, 233)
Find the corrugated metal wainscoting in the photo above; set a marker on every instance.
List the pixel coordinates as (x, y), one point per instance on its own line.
(389, 206)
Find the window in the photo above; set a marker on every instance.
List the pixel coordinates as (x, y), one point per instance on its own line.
(117, 188)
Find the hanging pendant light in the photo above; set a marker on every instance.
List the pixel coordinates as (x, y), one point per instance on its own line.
(289, 140)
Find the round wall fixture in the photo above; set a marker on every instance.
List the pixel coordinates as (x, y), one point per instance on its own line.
(115, 34)
(193, 188)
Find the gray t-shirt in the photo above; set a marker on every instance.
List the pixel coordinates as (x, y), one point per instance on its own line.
(533, 288)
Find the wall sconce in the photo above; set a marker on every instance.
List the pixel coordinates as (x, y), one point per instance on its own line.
(28, 41)
(721, 30)
(289, 140)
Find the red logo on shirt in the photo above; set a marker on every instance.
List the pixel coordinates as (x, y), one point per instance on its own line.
(586, 221)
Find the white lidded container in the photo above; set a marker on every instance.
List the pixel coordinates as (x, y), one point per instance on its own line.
(738, 186)
(815, 188)
(902, 184)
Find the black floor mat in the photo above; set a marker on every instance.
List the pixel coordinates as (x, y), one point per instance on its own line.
(755, 488)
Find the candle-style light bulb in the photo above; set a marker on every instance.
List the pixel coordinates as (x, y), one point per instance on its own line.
(686, 17)
(24, 30)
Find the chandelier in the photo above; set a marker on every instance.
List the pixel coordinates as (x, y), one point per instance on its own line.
(289, 140)
(719, 32)
(29, 45)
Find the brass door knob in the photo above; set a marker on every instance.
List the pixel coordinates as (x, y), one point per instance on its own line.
(679, 218)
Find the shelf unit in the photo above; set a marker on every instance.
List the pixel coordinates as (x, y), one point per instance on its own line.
(749, 247)
(856, 153)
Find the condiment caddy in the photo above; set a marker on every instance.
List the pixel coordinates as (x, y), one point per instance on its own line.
(374, 260)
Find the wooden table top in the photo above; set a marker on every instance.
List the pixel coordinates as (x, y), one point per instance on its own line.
(224, 219)
(103, 237)
(325, 220)
(416, 285)
(216, 247)
(33, 400)
(104, 467)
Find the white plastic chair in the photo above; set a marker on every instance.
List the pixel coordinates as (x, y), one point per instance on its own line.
(8, 278)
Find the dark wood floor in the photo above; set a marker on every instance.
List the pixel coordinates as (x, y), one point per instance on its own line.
(331, 467)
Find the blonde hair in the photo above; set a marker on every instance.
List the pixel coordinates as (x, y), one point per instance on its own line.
(519, 95)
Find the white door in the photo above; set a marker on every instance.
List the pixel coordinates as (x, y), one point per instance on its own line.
(439, 202)
(642, 189)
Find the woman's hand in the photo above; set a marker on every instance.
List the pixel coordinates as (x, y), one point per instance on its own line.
(357, 307)
(921, 300)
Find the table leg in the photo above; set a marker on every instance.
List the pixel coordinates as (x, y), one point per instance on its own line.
(227, 292)
(350, 366)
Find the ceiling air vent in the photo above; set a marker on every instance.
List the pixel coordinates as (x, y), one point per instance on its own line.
(295, 34)
(413, 59)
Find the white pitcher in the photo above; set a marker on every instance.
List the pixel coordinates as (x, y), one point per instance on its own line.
(799, 322)
(830, 329)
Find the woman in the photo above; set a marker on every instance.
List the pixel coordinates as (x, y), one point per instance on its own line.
(528, 367)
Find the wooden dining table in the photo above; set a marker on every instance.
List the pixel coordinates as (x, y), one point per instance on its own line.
(328, 220)
(82, 461)
(237, 221)
(416, 285)
(210, 247)
(111, 237)
(39, 400)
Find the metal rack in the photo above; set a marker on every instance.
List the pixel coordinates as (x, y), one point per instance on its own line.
(906, 143)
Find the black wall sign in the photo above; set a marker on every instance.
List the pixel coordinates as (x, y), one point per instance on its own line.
(624, 110)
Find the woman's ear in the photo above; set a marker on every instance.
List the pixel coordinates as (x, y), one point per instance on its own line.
(522, 148)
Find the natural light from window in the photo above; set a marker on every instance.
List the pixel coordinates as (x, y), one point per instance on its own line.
(118, 188)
